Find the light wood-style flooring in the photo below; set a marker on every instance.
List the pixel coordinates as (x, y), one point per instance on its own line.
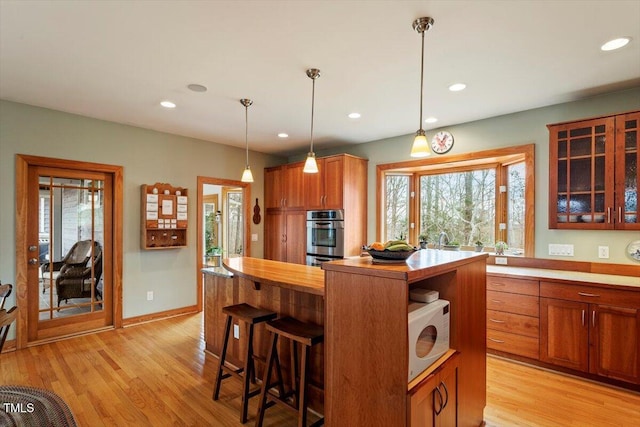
(157, 374)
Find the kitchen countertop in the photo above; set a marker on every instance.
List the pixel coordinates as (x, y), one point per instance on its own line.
(423, 263)
(217, 271)
(297, 277)
(591, 278)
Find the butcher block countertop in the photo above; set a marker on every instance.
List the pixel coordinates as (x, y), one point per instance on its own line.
(297, 277)
(575, 276)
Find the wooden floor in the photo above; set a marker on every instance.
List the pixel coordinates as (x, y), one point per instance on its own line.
(157, 374)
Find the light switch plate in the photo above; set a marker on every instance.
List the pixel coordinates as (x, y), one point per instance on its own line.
(562, 250)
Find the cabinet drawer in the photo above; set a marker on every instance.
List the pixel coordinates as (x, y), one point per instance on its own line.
(590, 294)
(515, 286)
(513, 323)
(514, 344)
(513, 303)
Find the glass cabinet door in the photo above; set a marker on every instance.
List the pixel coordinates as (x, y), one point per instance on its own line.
(581, 161)
(627, 173)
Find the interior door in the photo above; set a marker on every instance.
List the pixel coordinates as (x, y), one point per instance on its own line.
(69, 280)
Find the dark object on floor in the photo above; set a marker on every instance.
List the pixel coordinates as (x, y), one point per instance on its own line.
(28, 406)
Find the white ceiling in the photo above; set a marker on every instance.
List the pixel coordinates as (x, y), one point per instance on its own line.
(116, 60)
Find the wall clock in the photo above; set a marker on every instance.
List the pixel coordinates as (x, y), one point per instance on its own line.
(442, 142)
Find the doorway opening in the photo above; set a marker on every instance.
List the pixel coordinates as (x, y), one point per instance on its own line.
(223, 224)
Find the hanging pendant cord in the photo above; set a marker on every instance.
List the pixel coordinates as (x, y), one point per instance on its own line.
(421, 78)
(313, 96)
(246, 131)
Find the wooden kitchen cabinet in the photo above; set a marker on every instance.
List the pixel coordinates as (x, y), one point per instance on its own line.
(283, 187)
(434, 401)
(594, 176)
(341, 183)
(287, 236)
(591, 329)
(513, 316)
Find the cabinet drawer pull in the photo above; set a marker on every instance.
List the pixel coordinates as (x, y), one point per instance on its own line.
(609, 215)
(498, 284)
(495, 340)
(440, 406)
(496, 301)
(586, 294)
(496, 321)
(583, 317)
(593, 318)
(446, 392)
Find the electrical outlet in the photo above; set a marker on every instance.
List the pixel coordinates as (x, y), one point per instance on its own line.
(236, 331)
(603, 251)
(149, 295)
(500, 260)
(254, 237)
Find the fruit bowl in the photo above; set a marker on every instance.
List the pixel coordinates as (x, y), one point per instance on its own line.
(390, 255)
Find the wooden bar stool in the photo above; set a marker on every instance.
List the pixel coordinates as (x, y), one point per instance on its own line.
(306, 334)
(251, 316)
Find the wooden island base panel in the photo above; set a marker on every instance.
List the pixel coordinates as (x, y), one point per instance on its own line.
(359, 375)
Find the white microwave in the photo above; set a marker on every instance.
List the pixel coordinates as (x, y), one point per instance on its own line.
(428, 334)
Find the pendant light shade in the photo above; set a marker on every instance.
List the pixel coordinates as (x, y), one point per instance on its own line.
(310, 165)
(247, 176)
(420, 146)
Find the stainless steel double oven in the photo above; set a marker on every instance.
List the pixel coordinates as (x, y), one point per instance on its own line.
(325, 236)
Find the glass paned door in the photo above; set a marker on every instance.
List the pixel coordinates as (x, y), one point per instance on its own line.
(628, 175)
(73, 224)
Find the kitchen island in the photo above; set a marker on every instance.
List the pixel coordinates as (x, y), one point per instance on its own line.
(363, 363)
(288, 289)
(366, 342)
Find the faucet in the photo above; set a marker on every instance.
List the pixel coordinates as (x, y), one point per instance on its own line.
(442, 237)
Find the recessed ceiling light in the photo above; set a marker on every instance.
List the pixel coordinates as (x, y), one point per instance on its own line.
(430, 120)
(615, 43)
(283, 135)
(354, 115)
(197, 88)
(168, 104)
(457, 87)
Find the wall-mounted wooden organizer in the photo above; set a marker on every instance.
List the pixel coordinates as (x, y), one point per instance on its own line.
(164, 216)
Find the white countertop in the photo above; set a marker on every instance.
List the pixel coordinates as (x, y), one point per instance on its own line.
(606, 279)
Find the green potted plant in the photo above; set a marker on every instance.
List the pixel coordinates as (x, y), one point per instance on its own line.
(501, 247)
(479, 245)
(422, 239)
(453, 245)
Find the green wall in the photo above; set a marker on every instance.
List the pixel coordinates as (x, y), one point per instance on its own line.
(526, 127)
(147, 157)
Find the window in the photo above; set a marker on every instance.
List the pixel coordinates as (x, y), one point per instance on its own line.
(462, 204)
(397, 207)
(479, 196)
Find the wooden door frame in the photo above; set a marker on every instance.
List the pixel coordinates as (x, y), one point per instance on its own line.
(23, 162)
(246, 196)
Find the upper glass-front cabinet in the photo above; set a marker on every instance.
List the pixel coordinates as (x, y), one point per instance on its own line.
(594, 177)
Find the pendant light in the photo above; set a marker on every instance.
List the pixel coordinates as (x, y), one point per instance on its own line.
(247, 176)
(310, 165)
(420, 145)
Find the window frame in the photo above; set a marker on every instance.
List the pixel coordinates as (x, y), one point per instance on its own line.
(499, 158)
